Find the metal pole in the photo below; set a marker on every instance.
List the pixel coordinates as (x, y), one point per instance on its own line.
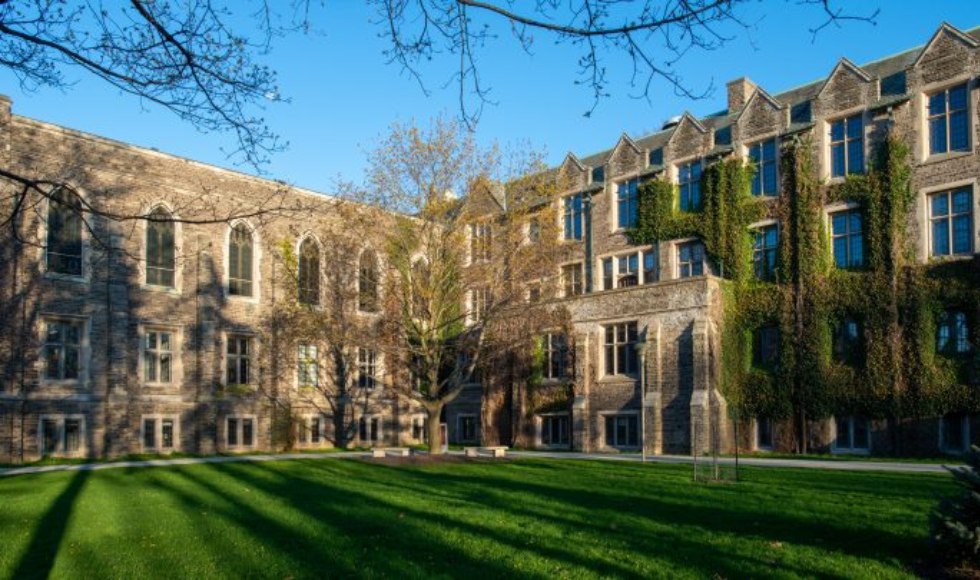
(641, 347)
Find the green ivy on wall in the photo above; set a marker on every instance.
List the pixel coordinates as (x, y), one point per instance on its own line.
(895, 300)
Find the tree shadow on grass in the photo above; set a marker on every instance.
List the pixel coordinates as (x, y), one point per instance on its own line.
(679, 553)
(38, 559)
(708, 511)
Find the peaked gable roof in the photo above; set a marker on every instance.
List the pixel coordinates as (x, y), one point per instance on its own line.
(844, 65)
(946, 28)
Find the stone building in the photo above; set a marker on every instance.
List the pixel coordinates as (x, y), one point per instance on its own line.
(85, 331)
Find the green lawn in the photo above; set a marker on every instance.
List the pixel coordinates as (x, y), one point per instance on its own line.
(537, 518)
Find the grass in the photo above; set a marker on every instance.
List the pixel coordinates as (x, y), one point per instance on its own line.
(534, 518)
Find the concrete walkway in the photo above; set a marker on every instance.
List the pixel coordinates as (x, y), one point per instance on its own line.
(855, 465)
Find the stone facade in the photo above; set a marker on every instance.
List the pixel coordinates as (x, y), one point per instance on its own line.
(664, 395)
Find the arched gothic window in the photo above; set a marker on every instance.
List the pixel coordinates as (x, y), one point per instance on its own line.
(64, 239)
(240, 252)
(368, 282)
(160, 243)
(309, 272)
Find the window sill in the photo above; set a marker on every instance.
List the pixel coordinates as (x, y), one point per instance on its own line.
(849, 451)
(617, 379)
(940, 157)
(951, 258)
(240, 298)
(82, 279)
(67, 384)
(171, 290)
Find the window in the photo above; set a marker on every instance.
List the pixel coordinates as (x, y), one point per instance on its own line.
(953, 334)
(307, 365)
(949, 120)
(469, 427)
(240, 431)
(690, 259)
(158, 433)
(160, 249)
(573, 217)
(847, 146)
(369, 429)
(629, 274)
(765, 240)
(620, 349)
(847, 342)
(607, 274)
(61, 435)
(310, 429)
(64, 235)
(479, 303)
(765, 157)
(649, 267)
(367, 368)
(622, 431)
(63, 350)
(627, 203)
(853, 434)
(420, 428)
(765, 347)
(847, 233)
(763, 433)
(158, 356)
(367, 282)
(554, 430)
(598, 174)
(309, 272)
(238, 360)
(555, 355)
(571, 276)
(534, 293)
(240, 261)
(534, 230)
(689, 178)
(480, 242)
(656, 156)
(954, 433)
(951, 217)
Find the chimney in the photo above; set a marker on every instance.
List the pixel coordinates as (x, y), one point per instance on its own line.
(739, 91)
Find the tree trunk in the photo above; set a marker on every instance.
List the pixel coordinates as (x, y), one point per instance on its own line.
(435, 431)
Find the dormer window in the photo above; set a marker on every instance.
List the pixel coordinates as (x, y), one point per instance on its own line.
(723, 136)
(656, 156)
(598, 174)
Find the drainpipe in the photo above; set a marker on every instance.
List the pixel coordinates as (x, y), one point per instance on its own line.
(587, 206)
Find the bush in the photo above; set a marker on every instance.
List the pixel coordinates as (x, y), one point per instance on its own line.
(955, 522)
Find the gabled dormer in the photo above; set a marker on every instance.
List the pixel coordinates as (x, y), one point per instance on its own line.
(847, 87)
(762, 115)
(689, 139)
(572, 174)
(627, 157)
(948, 51)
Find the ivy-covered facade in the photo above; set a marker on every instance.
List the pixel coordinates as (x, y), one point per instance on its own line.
(796, 273)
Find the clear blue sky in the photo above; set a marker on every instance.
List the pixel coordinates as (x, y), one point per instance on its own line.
(344, 95)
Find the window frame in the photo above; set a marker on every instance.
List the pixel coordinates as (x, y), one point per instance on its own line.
(252, 355)
(460, 431)
(965, 439)
(176, 346)
(577, 282)
(303, 365)
(847, 210)
(616, 416)
(852, 422)
(256, 261)
(174, 222)
(946, 116)
(691, 264)
(556, 348)
(84, 275)
(572, 217)
(958, 334)
(542, 429)
(309, 435)
(158, 419)
(765, 251)
(762, 163)
(308, 289)
(84, 351)
(240, 431)
(623, 346)
(631, 187)
(60, 421)
(693, 185)
(757, 444)
(845, 143)
(368, 368)
(949, 218)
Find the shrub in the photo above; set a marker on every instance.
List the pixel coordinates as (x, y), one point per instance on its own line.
(955, 522)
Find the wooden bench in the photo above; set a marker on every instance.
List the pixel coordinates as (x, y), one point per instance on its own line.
(491, 451)
(382, 452)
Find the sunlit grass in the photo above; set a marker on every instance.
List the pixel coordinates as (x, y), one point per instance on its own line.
(538, 518)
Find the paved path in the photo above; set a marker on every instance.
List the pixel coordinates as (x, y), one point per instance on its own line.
(844, 465)
(753, 461)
